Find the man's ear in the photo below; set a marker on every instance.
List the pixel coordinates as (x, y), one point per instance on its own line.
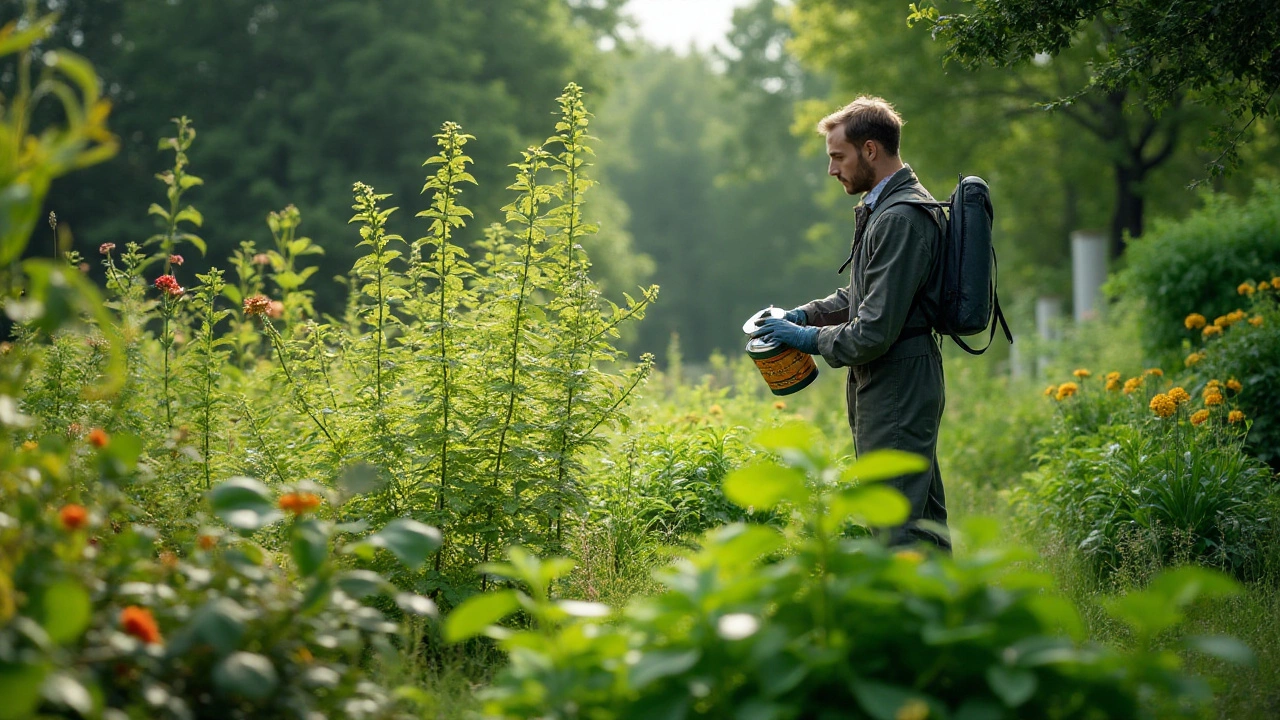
(871, 150)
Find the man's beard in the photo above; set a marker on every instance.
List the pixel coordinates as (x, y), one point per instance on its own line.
(864, 177)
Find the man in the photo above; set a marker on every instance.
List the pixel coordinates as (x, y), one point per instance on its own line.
(879, 326)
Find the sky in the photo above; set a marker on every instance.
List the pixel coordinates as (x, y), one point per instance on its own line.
(676, 24)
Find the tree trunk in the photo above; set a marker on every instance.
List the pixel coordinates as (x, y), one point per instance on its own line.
(1129, 207)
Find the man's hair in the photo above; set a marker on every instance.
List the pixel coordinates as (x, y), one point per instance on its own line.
(867, 118)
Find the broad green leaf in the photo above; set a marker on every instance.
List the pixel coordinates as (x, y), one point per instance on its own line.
(884, 702)
(409, 540)
(872, 505)
(764, 486)
(662, 663)
(791, 436)
(20, 688)
(1222, 647)
(244, 504)
(360, 479)
(246, 675)
(477, 613)
(884, 465)
(1013, 686)
(361, 583)
(219, 623)
(66, 610)
(310, 545)
(1183, 586)
(417, 604)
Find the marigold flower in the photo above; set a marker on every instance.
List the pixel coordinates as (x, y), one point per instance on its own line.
(1114, 375)
(299, 503)
(715, 410)
(1113, 384)
(1222, 321)
(1236, 316)
(1066, 390)
(779, 405)
(1234, 385)
(30, 445)
(140, 623)
(1154, 371)
(73, 517)
(99, 438)
(1275, 283)
(1213, 383)
(168, 284)
(169, 559)
(256, 305)
(1194, 358)
(1178, 395)
(1235, 416)
(1198, 417)
(1214, 398)
(1256, 321)
(176, 260)
(1194, 321)
(106, 248)
(1246, 288)
(1163, 405)
(1264, 285)
(207, 542)
(1050, 391)
(1082, 373)
(1131, 385)
(1212, 331)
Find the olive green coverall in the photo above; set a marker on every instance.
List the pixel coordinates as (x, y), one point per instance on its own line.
(895, 390)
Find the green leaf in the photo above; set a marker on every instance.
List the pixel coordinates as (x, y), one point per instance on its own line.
(791, 436)
(219, 623)
(361, 583)
(360, 479)
(417, 604)
(662, 663)
(1222, 647)
(409, 540)
(764, 486)
(310, 546)
(884, 465)
(244, 504)
(66, 610)
(873, 505)
(20, 688)
(882, 701)
(246, 675)
(1014, 686)
(477, 613)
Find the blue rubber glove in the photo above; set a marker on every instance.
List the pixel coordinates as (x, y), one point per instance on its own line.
(804, 339)
(797, 316)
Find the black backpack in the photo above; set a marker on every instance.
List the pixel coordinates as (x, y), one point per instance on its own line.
(966, 267)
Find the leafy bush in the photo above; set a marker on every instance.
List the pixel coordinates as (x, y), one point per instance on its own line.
(770, 623)
(1178, 267)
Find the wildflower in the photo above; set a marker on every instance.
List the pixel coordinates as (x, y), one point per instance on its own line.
(1131, 385)
(106, 248)
(779, 405)
(1245, 288)
(299, 503)
(1222, 321)
(1275, 283)
(715, 410)
(913, 709)
(206, 542)
(83, 267)
(1066, 390)
(275, 310)
(138, 622)
(1113, 384)
(1154, 371)
(262, 259)
(1256, 321)
(99, 438)
(73, 517)
(176, 260)
(168, 284)
(1214, 398)
(1236, 316)
(1163, 405)
(1234, 385)
(1213, 331)
(1198, 417)
(1050, 391)
(1082, 374)
(1113, 375)
(1194, 358)
(1235, 416)
(256, 305)
(1264, 285)
(30, 445)
(1194, 321)
(1178, 395)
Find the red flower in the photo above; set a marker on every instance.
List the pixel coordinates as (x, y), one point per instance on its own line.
(138, 622)
(175, 260)
(207, 542)
(168, 284)
(257, 305)
(73, 517)
(106, 248)
(299, 503)
(99, 438)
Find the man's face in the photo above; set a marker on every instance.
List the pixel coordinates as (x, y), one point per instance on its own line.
(848, 164)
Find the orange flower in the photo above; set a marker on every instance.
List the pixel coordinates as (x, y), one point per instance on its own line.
(99, 438)
(1256, 321)
(1194, 321)
(1113, 375)
(1131, 385)
(1212, 331)
(1214, 398)
(779, 405)
(30, 445)
(207, 542)
(1235, 416)
(300, 502)
(1234, 385)
(138, 622)
(1245, 288)
(1163, 406)
(1194, 358)
(1082, 374)
(257, 305)
(73, 517)
(1154, 371)
(1264, 285)
(715, 410)
(1113, 384)
(1050, 391)
(1198, 417)
(1066, 390)
(169, 559)
(1178, 395)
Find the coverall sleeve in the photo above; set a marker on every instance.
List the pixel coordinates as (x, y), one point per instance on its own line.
(831, 310)
(900, 259)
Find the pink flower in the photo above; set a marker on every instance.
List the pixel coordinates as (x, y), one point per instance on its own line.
(106, 248)
(168, 284)
(175, 260)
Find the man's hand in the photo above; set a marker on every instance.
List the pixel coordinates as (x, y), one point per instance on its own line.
(804, 339)
(797, 316)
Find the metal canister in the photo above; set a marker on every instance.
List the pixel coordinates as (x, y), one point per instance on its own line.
(786, 369)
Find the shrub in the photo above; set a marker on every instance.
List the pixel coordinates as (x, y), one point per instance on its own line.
(1177, 267)
(768, 623)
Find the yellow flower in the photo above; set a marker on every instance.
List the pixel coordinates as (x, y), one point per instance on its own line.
(1222, 321)
(1213, 383)
(913, 709)
(1066, 390)
(1275, 283)
(1214, 398)
(1235, 416)
(1264, 285)
(1155, 371)
(715, 410)
(1245, 288)
(30, 445)
(1194, 321)
(1256, 321)
(1131, 385)
(1113, 376)
(1082, 374)
(1234, 385)
(1050, 391)
(779, 405)
(911, 556)
(1198, 417)
(1178, 395)
(1212, 331)
(1163, 406)
(1113, 384)
(1236, 316)
(1194, 358)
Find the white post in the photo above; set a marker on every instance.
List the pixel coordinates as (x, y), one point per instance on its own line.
(1088, 272)
(1048, 327)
